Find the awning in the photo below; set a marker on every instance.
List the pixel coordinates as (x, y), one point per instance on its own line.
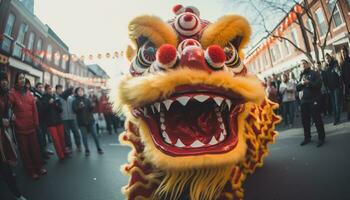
(25, 67)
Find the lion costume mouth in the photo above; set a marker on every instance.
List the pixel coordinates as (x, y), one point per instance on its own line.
(196, 115)
(194, 120)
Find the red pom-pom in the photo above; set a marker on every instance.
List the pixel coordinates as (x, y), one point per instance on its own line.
(188, 18)
(177, 8)
(216, 54)
(166, 54)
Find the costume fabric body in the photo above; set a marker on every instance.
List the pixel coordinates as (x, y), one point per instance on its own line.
(197, 122)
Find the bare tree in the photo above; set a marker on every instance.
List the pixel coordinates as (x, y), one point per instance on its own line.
(269, 6)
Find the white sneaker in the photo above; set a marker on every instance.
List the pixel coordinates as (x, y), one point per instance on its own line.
(21, 198)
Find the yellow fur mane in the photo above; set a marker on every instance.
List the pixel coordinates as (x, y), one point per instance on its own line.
(226, 29)
(153, 28)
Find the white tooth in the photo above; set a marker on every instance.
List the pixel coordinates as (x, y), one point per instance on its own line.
(179, 143)
(229, 103)
(162, 126)
(222, 126)
(213, 141)
(218, 100)
(167, 103)
(183, 100)
(162, 120)
(197, 143)
(222, 137)
(166, 137)
(157, 105)
(201, 98)
(152, 107)
(145, 111)
(225, 133)
(220, 119)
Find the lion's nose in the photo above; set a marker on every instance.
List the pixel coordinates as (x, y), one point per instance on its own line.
(195, 58)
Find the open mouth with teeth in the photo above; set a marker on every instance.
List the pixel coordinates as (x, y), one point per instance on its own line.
(194, 120)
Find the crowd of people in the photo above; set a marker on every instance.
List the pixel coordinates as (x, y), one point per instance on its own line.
(31, 117)
(322, 89)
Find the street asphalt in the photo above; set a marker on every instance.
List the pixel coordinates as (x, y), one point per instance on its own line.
(290, 171)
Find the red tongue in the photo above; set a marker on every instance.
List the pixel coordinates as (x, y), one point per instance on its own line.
(195, 121)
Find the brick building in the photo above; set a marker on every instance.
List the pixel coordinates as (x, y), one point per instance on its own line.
(280, 55)
(21, 31)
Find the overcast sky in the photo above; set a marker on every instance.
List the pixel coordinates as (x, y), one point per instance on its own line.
(100, 26)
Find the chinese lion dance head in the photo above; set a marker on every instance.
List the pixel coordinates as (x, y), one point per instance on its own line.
(197, 122)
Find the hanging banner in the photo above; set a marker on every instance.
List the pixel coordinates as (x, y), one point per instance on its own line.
(98, 82)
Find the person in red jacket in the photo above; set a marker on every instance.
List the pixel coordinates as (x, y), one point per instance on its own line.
(105, 108)
(8, 156)
(26, 124)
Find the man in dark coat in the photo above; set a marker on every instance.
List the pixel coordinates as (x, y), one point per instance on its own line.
(83, 107)
(310, 86)
(333, 83)
(38, 92)
(345, 71)
(53, 109)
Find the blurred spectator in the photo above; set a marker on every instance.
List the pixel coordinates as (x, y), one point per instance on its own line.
(287, 90)
(26, 124)
(325, 105)
(42, 130)
(52, 112)
(271, 91)
(96, 111)
(28, 85)
(83, 107)
(310, 88)
(332, 81)
(8, 157)
(345, 68)
(69, 118)
(107, 111)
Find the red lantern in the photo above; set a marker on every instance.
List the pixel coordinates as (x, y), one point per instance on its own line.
(74, 57)
(292, 16)
(298, 9)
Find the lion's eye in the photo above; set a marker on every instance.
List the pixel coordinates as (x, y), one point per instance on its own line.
(232, 57)
(146, 55)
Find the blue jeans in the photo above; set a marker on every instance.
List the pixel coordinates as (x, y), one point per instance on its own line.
(71, 125)
(288, 112)
(84, 131)
(336, 104)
